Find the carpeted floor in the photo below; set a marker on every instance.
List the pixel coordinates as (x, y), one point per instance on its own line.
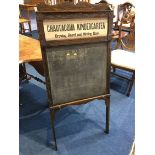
(79, 129)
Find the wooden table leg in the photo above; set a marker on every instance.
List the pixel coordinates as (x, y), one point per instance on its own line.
(53, 128)
(131, 84)
(22, 73)
(107, 103)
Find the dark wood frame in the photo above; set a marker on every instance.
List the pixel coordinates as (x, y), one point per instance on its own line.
(71, 11)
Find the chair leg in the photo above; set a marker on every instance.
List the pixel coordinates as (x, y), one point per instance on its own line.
(22, 28)
(22, 73)
(113, 69)
(117, 44)
(107, 102)
(30, 27)
(131, 84)
(53, 129)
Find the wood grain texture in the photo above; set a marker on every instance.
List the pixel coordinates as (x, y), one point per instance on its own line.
(32, 2)
(23, 20)
(71, 7)
(29, 49)
(27, 5)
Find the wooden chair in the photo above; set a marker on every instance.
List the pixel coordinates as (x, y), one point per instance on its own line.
(124, 13)
(123, 27)
(28, 6)
(23, 21)
(124, 59)
(121, 21)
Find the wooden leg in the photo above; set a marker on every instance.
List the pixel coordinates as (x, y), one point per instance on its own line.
(26, 75)
(23, 29)
(20, 26)
(107, 103)
(131, 84)
(114, 69)
(25, 70)
(22, 73)
(30, 28)
(118, 44)
(53, 129)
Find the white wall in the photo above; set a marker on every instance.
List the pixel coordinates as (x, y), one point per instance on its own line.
(21, 2)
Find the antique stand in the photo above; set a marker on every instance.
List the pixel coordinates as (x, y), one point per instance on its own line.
(75, 44)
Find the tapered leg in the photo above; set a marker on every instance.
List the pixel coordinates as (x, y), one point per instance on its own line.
(118, 44)
(53, 129)
(131, 84)
(114, 69)
(22, 73)
(30, 28)
(107, 103)
(23, 28)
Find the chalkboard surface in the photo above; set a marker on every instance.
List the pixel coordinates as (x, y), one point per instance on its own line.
(77, 71)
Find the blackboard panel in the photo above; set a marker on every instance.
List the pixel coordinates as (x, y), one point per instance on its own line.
(77, 72)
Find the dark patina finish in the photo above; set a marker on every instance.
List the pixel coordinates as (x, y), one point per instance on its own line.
(76, 70)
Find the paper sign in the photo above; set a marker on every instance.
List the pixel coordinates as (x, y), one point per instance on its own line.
(75, 28)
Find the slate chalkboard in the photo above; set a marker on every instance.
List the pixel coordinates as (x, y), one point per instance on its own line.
(77, 72)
